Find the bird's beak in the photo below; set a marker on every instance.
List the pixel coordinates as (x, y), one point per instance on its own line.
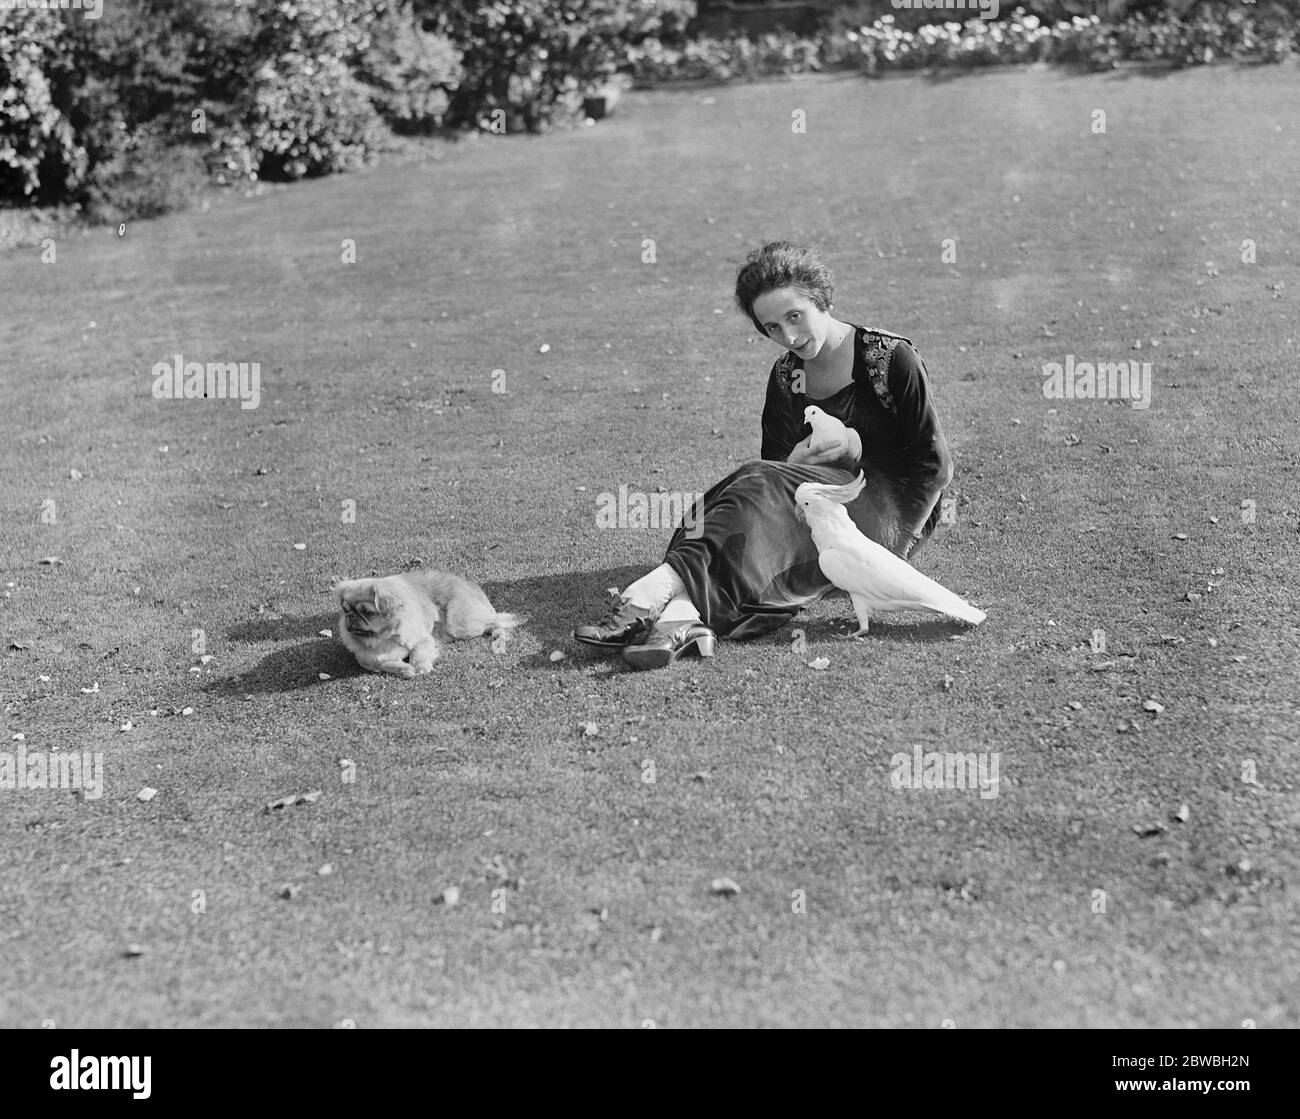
(798, 514)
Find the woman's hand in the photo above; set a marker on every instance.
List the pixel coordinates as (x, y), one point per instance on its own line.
(847, 451)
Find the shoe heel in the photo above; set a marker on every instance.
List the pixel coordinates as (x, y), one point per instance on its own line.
(705, 645)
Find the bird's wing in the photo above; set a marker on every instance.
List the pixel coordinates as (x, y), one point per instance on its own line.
(846, 571)
(863, 567)
(885, 574)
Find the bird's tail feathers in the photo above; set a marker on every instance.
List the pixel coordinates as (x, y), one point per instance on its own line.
(942, 601)
(841, 494)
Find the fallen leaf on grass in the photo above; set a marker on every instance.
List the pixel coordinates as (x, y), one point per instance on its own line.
(724, 887)
(1145, 831)
(589, 730)
(592, 919)
(496, 868)
(1183, 814)
(1152, 706)
(48, 561)
(295, 798)
(146, 794)
(820, 664)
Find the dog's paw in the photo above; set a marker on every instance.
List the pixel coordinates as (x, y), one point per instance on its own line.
(421, 667)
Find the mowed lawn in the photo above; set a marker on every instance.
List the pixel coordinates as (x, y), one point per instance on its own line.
(584, 861)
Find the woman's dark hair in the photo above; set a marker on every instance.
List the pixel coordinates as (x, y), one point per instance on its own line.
(782, 264)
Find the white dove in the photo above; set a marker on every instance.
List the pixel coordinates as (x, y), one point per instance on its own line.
(827, 431)
(878, 581)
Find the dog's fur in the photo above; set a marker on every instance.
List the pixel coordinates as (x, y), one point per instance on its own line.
(383, 622)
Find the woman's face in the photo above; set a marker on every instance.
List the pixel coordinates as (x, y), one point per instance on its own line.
(793, 320)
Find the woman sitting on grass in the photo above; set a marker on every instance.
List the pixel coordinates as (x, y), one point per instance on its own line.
(749, 565)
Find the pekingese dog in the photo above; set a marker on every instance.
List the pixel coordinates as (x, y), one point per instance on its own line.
(393, 624)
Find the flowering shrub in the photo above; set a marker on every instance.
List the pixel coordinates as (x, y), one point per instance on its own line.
(528, 63)
(303, 111)
(725, 59)
(1213, 32)
(34, 131)
(96, 113)
(411, 72)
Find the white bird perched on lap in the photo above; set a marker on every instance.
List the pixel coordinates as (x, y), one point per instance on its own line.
(878, 582)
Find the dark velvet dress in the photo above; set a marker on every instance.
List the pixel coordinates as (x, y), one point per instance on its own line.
(750, 566)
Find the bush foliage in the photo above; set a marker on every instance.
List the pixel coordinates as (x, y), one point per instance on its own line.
(123, 115)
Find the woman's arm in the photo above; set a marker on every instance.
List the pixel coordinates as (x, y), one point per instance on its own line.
(924, 447)
(779, 431)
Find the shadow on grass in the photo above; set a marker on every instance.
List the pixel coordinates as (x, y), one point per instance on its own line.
(552, 606)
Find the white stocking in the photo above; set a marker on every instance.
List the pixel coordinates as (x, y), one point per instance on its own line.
(654, 591)
(679, 611)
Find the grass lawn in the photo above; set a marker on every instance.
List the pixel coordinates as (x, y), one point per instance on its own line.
(585, 894)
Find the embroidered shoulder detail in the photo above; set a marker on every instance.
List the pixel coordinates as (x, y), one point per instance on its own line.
(784, 369)
(877, 352)
(885, 334)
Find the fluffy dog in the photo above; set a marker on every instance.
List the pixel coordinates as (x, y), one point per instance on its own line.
(383, 622)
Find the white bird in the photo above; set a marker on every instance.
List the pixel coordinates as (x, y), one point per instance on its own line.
(878, 582)
(827, 431)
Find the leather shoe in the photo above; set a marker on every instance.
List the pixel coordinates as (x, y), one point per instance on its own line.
(622, 624)
(668, 642)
